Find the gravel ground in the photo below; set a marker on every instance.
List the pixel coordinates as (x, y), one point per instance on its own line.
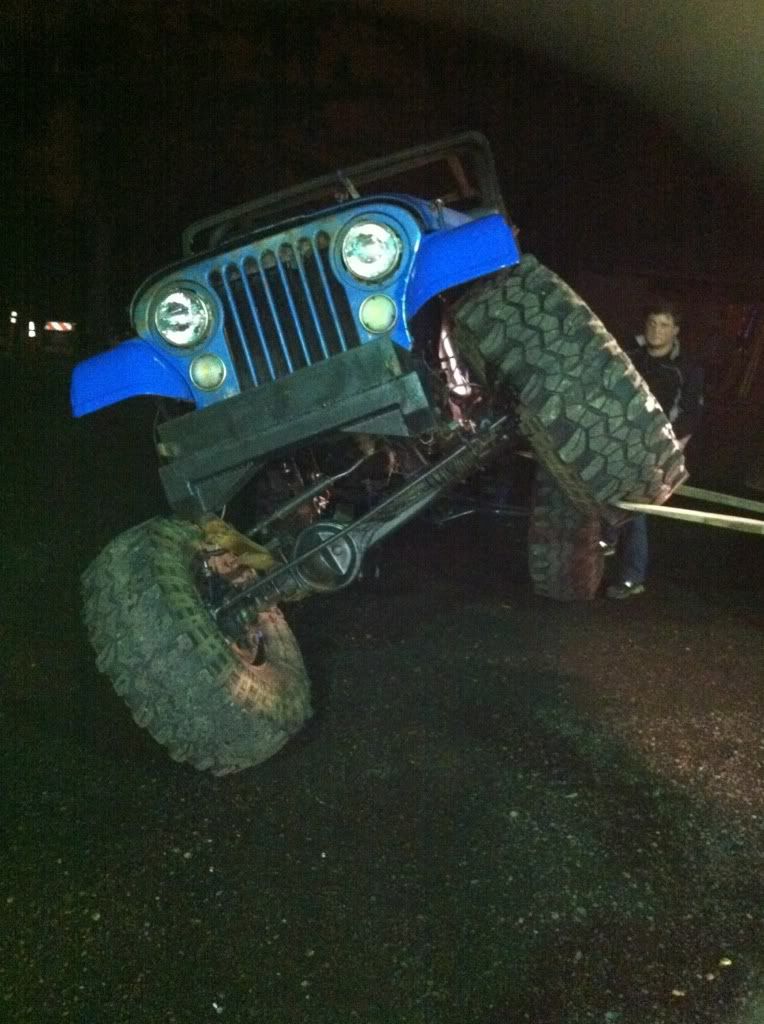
(505, 810)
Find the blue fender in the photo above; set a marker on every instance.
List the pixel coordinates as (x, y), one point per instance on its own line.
(461, 254)
(131, 368)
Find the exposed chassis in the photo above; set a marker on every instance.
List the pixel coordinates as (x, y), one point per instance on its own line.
(376, 389)
(328, 555)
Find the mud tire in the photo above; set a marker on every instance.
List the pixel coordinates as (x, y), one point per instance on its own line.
(589, 416)
(166, 657)
(565, 560)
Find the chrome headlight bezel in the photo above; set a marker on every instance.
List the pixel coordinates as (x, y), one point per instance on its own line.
(371, 234)
(200, 308)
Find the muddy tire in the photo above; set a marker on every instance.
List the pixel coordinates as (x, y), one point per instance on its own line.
(565, 560)
(205, 701)
(589, 416)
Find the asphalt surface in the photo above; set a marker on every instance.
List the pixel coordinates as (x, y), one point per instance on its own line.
(504, 810)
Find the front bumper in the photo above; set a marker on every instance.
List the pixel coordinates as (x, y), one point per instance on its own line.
(213, 452)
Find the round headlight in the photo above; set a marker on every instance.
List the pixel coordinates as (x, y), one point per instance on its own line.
(370, 251)
(183, 317)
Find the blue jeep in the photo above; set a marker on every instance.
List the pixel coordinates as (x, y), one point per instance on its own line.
(331, 360)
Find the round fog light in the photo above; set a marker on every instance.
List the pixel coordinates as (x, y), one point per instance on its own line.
(378, 313)
(207, 372)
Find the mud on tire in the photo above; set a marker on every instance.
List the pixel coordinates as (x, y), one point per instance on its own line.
(585, 410)
(182, 680)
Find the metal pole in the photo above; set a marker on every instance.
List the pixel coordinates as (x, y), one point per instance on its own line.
(689, 515)
(721, 499)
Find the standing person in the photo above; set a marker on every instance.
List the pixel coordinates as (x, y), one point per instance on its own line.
(678, 386)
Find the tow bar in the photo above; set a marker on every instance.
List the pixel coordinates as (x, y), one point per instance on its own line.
(726, 522)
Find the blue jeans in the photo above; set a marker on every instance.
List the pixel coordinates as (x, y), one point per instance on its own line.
(631, 548)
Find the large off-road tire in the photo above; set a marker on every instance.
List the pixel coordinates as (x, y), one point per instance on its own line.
(587, 413)
(207, 701)
(565, 559)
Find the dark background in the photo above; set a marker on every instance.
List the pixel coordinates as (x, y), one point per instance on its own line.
(614, 133)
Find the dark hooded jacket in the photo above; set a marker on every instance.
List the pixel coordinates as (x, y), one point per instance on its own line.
(676, 382)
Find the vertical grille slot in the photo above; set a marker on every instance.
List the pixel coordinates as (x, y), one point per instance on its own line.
(284, 309)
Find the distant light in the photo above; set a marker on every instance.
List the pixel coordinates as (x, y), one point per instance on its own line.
(14, 316)
(31, 325)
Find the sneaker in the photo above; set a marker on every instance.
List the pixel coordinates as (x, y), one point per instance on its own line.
(626, 589)
(607, 549)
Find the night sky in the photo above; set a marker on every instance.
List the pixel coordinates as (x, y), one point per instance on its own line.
(126, 121)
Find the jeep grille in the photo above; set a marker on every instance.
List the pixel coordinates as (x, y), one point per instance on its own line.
(284, 309)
